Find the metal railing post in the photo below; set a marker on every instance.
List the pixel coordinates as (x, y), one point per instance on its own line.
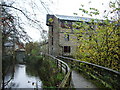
(61, 67)
(69, 82)
(57, 63)
(79, 67)
(66, 70)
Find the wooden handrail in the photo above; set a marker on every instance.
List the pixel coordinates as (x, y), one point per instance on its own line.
(111, 70)
(67, 78)
(110, 78)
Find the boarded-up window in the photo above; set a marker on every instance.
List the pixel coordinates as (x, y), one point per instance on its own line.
(67, 49)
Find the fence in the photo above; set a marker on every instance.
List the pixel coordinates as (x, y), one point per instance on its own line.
(108, 77)
(66, 82)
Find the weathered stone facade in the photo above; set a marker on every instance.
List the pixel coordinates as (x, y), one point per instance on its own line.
(62, 39)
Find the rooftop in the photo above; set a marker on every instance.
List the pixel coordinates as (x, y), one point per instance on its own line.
(74, 18)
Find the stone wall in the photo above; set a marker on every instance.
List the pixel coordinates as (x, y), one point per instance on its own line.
(53, 41)
(56, 39)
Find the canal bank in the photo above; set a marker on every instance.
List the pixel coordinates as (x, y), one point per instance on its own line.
(37, 72)
(23, 79)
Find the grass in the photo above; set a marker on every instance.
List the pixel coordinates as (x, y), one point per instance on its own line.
(47, 70)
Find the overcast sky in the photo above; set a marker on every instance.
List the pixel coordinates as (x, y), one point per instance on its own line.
(62, 7)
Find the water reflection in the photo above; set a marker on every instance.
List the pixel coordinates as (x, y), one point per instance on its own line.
(23, 80)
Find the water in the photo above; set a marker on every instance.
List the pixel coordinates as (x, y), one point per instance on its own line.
(22, 79)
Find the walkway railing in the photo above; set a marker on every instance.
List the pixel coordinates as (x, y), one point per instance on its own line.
(66, 82)
(108, 77)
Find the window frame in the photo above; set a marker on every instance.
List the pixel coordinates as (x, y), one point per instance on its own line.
(66, 49)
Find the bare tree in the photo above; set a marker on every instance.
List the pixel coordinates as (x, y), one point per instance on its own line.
(12, 32)
(12, 21)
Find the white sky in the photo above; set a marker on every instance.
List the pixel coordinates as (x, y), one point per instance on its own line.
(68, 7)
(62, 7)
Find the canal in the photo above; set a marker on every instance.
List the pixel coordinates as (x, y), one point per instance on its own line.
(23, 77)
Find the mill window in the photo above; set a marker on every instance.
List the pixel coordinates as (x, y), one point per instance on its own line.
(67, 49)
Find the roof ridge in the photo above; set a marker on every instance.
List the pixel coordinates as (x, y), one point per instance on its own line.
(73, 16)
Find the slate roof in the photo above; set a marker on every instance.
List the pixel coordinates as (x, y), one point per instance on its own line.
(77, 18)
(74, 18)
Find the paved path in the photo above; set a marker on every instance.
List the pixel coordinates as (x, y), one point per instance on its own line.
(80, 82)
